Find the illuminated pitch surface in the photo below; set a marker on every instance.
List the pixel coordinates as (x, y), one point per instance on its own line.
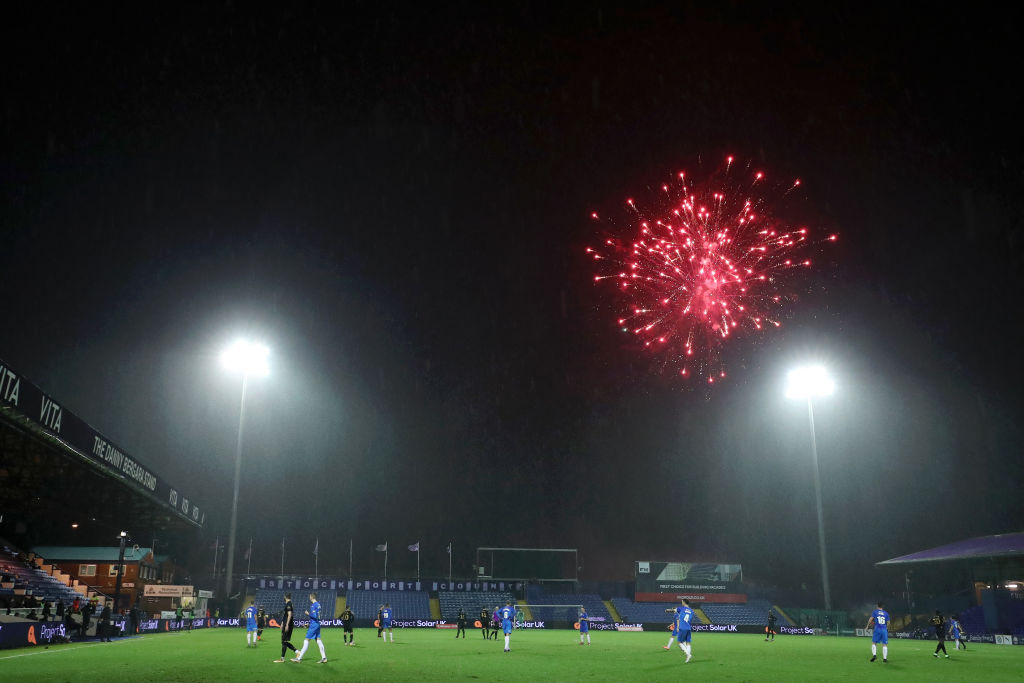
(435, 655)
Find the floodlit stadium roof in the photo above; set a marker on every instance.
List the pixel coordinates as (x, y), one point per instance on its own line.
(51, 457)
(1000, 545)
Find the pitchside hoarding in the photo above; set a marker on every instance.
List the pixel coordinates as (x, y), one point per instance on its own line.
(699, 582)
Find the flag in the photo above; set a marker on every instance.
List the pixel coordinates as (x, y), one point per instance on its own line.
(316, 548)
(382, 548)
(282, 544)
(213, 546)
(247, 552)
(449, 548)
(415, 547)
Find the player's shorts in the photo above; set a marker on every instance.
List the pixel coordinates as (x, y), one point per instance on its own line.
(386, 623)
(506, 626)
(313, 632)
(684, 635)
(286, 635)
(250, 627)
(346, 626)
(880, 635)
(584, 627)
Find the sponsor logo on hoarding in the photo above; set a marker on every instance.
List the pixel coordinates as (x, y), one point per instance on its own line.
(610, 626)
(530, 624)
(47, 630)
(797, 630)
(149, 625)
(724, 628)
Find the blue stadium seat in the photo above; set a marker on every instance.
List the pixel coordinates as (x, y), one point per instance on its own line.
(406, 605)
(452, 601)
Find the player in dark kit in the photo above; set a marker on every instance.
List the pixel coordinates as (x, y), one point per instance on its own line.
(485, 621)
(287, 623)
(461, 625)
(769, 630)
(380, 620)
(346, 624)
(261, 623)
(940, 632)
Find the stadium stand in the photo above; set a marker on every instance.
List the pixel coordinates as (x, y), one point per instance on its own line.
(406, 604)
(640, 612)
(452, 601)
(24, 582)
(753, 612)
(973, 620)
(272, 601)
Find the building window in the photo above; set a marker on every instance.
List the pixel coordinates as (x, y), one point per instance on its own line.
(87, 570)
(113, 570)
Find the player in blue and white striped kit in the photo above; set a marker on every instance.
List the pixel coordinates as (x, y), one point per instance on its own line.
(313, 632)
(880, 619)
(250, 625)
(507, 615)
(681, 629)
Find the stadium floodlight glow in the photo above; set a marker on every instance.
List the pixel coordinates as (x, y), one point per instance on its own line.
(809, 381)
(806, 383)
(246, 358)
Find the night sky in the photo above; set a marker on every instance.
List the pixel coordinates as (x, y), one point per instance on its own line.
(396, 201)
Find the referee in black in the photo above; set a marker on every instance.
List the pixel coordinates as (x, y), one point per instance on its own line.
(287, 624)
(461, 624)
(769, 630)
(940, 632)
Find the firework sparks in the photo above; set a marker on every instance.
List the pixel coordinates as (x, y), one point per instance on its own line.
(708, 262)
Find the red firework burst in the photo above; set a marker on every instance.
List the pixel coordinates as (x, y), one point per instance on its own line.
(709, 261)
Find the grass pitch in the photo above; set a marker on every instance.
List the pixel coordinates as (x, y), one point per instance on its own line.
(435, 655)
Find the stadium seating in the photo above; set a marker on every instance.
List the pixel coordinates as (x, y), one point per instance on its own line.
(407, 605)
(753, 612)
(640, 612)
(272, 601)
(452, 601)
(973, 620)
(32, 581)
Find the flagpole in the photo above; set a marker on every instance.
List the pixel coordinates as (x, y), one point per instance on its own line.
(282, 557)
(385, 561)
(350, 558)
(216, 546)
(248, 567)
(449, 562)
(417, 560)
